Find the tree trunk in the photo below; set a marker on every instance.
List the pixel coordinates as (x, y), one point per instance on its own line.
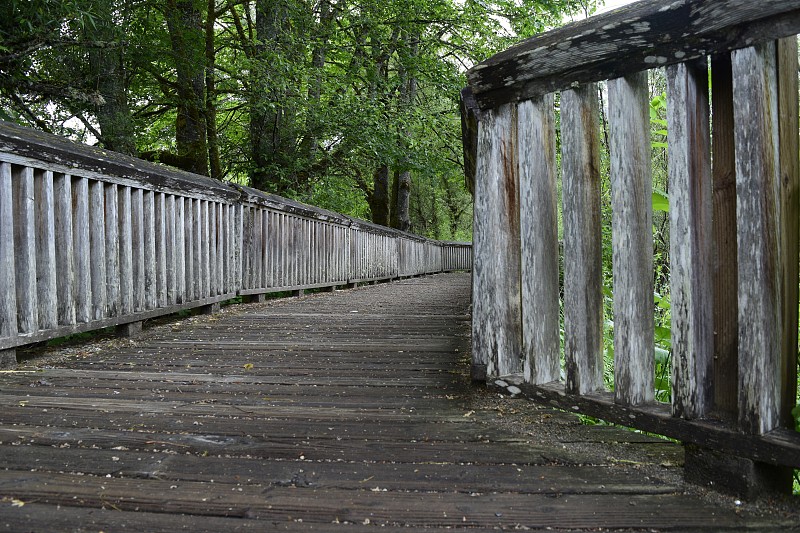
(408, 93)
(272, 128)
(107, 75)
(379, 201)
(184, 22)
(211, 94)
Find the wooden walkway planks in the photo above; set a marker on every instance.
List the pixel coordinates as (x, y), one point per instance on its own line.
(332, 412)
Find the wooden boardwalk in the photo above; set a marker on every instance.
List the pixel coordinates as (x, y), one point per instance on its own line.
(345, 411)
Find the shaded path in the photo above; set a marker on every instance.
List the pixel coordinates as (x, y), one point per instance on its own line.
(331, 412)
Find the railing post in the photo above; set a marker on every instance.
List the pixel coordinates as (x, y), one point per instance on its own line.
(691, 285)
(8, 304)
(496, 318)
(539, 239)
(583, 242)
(631, 201)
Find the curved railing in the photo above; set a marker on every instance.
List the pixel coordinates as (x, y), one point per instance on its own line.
(91, 239)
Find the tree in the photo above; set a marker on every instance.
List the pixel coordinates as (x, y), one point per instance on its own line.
(349, 105)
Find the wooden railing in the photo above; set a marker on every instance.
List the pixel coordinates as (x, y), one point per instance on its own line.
(733, 224)
(91, 239)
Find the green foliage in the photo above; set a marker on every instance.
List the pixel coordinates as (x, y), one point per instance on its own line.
(306, 98)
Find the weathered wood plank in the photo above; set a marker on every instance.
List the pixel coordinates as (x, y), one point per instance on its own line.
(65, 259)
(536, 154)
(204, 266)
(160, 243)
(180, 250)
(496, 322)
(583, 254)
(758, 220)
(778, 447)
(191, 251)
(8, 304)
(409, 509)
(81, 246)
(631, 197)
(113, 282)
(46, 250)
(97, 239)
(149, 258)
(636, 37)
(138, 245)
(126, 251)
(787, 67)
(690, 254)
(725, 265)
(25, 249)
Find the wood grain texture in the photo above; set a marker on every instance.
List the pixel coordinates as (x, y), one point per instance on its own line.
(45, 250)
(758, 219)
(787, 67)
(631, 39)
(691, 283)
(97, 240)
(170, 234)
(149, 235)
(631, 201)
(583, 254)
(180, 250)
(65, 258)
(82, 249)
(190, 252)
(125, 251)
(725, 256)
(25, 249)
(113, 282)
(160, 243)
(536, 153)
(496, 319)
(138, 245)
(299, 436)
(8, 304)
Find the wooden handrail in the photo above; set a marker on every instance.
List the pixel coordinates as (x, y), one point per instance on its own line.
(733, 319)
(639, 36)
(91, 239)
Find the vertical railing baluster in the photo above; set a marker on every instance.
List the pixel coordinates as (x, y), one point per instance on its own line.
(170, 236)
(632, 237)
(45, 250)
(161, 248)
(25, 253)
(789, 233)
(583, 253)
(181, 288)
(97, 239)
(138, 247)
(690, 187)
(65, 258)
(8, 303)
(536, 141)
(125, 251)
(113, 303)
(81, 247)
(496, 319)
(149, 234)
(758, 220)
